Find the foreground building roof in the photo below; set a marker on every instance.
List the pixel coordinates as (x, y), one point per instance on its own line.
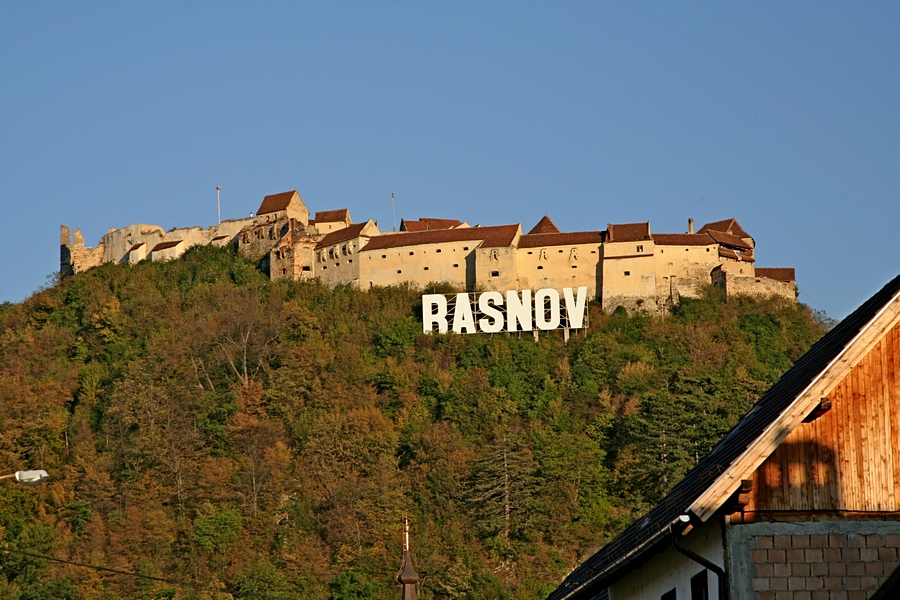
(715, 478)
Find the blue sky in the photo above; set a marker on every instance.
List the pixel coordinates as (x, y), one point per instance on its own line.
(783, 115)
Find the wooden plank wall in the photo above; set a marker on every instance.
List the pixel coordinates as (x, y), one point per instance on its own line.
(849, 458)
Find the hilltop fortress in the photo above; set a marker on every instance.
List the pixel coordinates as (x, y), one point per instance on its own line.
(623, 265)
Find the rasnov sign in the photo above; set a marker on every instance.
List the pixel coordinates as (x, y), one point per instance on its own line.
(493, 312)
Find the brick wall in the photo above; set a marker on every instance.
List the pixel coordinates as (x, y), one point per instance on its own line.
(822, 566)
(816, 561)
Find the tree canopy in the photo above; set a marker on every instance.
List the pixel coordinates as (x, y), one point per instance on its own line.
(243, 438)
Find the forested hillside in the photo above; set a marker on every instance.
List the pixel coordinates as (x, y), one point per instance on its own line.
(206, 425)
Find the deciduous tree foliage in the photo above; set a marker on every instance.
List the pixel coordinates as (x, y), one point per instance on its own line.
(263, 440)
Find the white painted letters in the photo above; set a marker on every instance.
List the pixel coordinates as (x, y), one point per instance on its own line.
(493, 312)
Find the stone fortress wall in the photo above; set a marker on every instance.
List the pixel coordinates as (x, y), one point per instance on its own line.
(623, 265)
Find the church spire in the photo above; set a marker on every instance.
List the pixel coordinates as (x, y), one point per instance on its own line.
(407, 577)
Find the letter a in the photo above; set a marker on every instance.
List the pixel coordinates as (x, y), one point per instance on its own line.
(462, 315)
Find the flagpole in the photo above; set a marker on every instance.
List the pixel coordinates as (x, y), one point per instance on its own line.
(219, 202)
(394, 211)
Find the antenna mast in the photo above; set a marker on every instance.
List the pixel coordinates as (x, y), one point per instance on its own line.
(219, 202)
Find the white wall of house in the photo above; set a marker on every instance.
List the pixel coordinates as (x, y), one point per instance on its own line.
(669, 569)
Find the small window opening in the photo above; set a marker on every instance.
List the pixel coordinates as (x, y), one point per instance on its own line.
(640, 248)
(465, 247)
(455, 265)
(699, 586)
(495, 273)
(540, 267)
(399, 271)
(426, 268)
(627, 273)
(438, 250)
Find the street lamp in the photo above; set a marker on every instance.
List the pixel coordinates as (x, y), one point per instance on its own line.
(36, 477)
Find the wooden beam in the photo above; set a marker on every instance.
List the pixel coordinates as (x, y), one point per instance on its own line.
(823, 407)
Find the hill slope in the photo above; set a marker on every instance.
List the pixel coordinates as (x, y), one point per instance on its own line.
(204, 424)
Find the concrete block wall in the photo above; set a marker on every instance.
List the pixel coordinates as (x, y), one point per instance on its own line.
(813, 561)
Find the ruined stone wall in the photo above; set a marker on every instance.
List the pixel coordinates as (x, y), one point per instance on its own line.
(754, 286)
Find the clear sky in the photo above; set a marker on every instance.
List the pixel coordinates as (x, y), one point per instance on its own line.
(783, 115)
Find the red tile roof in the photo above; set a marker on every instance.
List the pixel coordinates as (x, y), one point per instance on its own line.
(628, 232)
(778, 274)
(165, 245)
(276, 202)
(746, 255)
(341, 215)
(342, 235)
(428, 224)
(728, 226)
(538, 240)
(545, 225)
(491, 237)
(136, 246)
(728, 240)
(682, 239)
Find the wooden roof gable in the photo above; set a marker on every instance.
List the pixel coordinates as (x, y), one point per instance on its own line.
(718, 475)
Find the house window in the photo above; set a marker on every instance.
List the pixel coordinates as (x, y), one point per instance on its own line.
(540, 267)
(438, 250)
(411, 253)
(305, 268)
(627, 273)
(384, 256)
(699, 586)
(670, 595)
(640, 248)
(465, 247)
(574, 266)
(399, 271)
(455, 265)
(495, 273)
(426, 268)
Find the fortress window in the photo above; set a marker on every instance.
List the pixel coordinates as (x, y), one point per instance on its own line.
(350, 261)
(284, 271)
(495, 273)
(324, 267)
(627, 273)
(306, 268)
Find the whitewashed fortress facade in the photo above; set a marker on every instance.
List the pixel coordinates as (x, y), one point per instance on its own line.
(623, 265)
